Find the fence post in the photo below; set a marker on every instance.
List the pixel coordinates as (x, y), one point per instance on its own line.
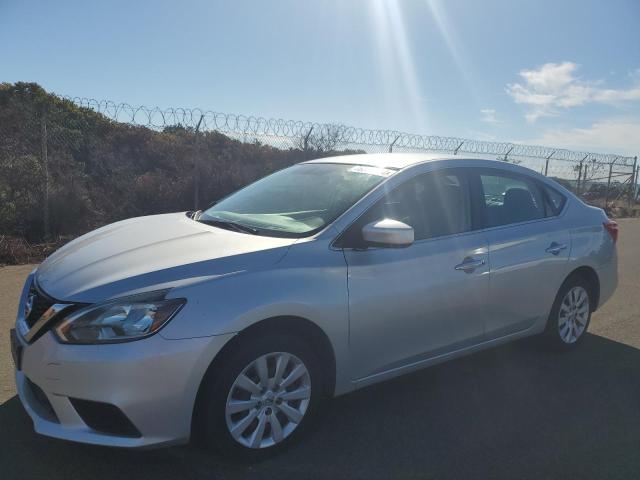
(306, 139)
(583, 184)
(546, 165)
(506, 155)
(393, 143)
(579, 178)
(635, 180)
(606, 193)
(196, 168)
(632, 183)
(45, 166)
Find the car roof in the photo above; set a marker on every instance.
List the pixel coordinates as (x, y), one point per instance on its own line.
(399, 161)
(396, 161)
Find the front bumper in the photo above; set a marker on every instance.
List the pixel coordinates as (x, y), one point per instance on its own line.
(153, 382)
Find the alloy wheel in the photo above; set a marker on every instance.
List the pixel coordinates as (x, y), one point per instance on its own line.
(573, 315)
(268, 400)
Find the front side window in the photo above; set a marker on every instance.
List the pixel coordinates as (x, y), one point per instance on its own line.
(296, 201)
(434, 204)
(510, 199)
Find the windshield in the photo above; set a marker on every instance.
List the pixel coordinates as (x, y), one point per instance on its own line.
(298, 200)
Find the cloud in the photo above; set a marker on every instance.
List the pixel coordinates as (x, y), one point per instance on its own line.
(489, 115)
(554, 86)
(484, 136)
(620, 136)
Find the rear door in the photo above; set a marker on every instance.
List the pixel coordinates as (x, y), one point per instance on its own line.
(528, 249)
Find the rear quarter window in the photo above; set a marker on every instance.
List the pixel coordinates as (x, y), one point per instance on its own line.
(554, 199)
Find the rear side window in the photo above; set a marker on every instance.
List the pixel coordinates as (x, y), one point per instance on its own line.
(555, 201)
(511, 199)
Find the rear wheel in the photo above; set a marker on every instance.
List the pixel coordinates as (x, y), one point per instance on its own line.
(262, 398)
(570, 315)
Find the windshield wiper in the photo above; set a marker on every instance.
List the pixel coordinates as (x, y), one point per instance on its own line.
(238, 227)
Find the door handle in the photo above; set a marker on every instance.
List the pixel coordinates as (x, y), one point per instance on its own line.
(469, 264)
(555, 248)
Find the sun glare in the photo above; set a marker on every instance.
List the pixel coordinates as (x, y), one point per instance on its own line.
(401, 81)
(447, 32)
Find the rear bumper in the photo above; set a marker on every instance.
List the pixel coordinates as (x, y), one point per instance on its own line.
(152, 382)
(608, 276)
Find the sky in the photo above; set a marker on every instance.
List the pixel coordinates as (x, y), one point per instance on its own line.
(557, 73)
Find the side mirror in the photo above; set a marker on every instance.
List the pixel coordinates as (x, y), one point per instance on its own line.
(388, 233)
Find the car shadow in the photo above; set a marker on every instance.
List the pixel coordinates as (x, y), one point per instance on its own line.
(512, 412)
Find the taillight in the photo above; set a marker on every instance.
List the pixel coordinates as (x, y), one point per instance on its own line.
(611, 227)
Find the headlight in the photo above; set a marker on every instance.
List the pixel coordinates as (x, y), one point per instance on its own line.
(118, 321)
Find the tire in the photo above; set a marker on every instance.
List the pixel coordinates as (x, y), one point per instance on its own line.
(570, 315)
(266, 409)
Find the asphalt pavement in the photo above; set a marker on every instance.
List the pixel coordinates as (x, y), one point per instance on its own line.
(513, 412)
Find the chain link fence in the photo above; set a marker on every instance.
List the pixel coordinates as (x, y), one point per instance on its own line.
(601, 179)
(68, 165)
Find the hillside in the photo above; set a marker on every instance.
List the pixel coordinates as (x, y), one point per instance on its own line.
(100, 171)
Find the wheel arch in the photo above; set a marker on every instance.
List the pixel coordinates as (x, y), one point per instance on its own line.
(292, 325)
(590, 275)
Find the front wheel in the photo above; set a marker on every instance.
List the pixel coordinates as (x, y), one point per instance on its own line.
(262, 398)
(570, 315)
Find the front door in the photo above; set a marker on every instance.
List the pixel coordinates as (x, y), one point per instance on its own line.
(410, 304)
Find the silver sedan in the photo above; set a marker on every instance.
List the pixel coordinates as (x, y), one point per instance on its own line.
(235, 323)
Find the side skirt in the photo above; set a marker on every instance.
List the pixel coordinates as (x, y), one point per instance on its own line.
(538, 327)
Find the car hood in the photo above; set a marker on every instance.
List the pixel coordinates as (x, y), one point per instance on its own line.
(148, 253)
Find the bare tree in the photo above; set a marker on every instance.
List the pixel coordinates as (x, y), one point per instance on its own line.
(323, 138)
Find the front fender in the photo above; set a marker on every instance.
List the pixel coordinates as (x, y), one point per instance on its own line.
(310, 282)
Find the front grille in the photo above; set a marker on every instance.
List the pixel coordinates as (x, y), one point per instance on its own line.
(105, 418)
(41, 403)
(40, 304)
(43, 311)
